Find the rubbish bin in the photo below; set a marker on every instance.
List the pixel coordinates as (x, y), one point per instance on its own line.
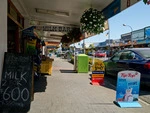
(82, 63)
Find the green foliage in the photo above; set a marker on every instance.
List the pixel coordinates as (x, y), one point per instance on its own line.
(90, 60)
(146, 2)
(72, 60)
(91, 46)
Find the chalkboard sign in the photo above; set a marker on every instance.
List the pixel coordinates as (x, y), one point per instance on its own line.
(15, 89)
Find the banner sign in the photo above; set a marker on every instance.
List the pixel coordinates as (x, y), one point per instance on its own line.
(127, 91)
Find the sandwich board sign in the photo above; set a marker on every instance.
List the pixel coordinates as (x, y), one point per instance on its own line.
(15, 88)
(97, 77)
(127, 92)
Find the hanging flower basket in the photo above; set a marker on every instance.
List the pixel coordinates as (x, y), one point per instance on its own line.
(92, 21)
(66, 39)
(73, 36)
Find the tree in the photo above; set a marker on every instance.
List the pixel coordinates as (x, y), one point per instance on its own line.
(91, 46)
(146, 1)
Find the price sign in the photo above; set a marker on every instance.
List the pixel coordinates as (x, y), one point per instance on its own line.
(15, 90)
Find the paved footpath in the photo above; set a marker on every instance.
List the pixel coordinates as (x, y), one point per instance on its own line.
(68, 92)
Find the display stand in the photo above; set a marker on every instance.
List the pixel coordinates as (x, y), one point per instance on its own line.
(97, 78)
(32, 46)
(46, 66)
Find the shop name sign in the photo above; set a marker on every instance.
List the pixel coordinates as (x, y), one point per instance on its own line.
(55, 28)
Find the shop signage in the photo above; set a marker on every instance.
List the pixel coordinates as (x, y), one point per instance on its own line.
(126, 37)
(98, 73)
(55, 28)
(147, 40)
(147, 33)
(141, 41)
(112, 9)
(138, 34)
(127, 92)
(15, 89)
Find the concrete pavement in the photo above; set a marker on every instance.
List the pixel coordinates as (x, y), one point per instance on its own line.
(68, 92)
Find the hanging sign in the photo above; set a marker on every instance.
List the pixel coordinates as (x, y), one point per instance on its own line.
(98, 73)
(127, 91)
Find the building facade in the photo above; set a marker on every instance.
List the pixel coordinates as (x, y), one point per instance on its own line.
(139, 38)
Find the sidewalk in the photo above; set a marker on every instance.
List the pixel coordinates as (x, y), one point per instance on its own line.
(68, 92)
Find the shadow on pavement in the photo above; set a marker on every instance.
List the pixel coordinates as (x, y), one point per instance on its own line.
(67, 71)
(106, 83)
(40, 84)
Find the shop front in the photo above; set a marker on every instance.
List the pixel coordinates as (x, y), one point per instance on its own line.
(15, 24)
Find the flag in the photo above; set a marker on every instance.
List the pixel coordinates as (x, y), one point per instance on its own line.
(148, 2)
(107, 33)
(106, 25)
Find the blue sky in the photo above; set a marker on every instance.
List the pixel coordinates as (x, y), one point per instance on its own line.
(137, 16)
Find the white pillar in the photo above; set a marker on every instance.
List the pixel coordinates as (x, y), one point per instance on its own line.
(3, 32)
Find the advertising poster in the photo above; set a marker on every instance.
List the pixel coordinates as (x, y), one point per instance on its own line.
(127, 92)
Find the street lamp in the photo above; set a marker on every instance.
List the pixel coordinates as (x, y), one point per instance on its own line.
(131, 33)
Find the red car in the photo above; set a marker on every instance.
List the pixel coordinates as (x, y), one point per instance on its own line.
(100, 54)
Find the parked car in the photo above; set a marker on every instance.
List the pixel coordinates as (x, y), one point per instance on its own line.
(100, 54)
(68, 54)
(137, 59)
(90, 53)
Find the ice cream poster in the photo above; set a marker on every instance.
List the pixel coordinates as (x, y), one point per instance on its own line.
(128, 85)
